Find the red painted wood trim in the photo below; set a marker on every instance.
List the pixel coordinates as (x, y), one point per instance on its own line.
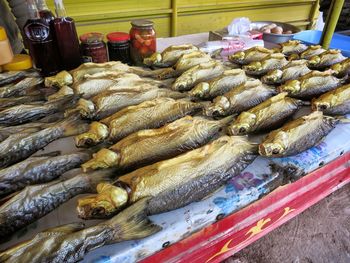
(229, 235)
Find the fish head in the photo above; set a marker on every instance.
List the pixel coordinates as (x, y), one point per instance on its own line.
(319, 105)
(153, 59)
(108, 201)
(243, 124)
(95, 135)
(219, 107)
(270, 149)
(61, 79)
(337, 68)
(293, 57)
(274, 76)
(200, 90)
(292, 87)
(253, 66)
(238, 56)
(314, 61)
(103, 159)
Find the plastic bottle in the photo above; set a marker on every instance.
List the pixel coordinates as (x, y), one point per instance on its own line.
(6, 54)
(42, 47)
(67, 38)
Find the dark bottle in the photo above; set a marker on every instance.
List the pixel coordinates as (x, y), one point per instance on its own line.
(44, 11)
(42, 47)
(67, 38)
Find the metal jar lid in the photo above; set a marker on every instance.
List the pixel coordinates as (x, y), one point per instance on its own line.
(142, 23)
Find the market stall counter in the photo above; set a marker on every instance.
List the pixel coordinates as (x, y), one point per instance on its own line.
(265, 195)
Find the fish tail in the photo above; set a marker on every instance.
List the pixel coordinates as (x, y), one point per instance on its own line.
(73, 125)
(133, 222)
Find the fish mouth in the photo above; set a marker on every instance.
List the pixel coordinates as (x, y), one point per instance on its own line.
(238, 130)
(314, 61)
(103, 159)
(320, 106)
(253, 67)
(106, 203)
(238, 56)
(201, 90)
(95, 135)
(270, 149)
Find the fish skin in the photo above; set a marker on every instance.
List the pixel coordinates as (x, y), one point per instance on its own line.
(313, 50)
(19, 146)
(292, 46)
(14, 101)
(13, 76)
(241, 98)
(326, 59)
(35, 201)
(272, 61)
(185, 62)
(35, 170)
(292, 70)
(334, 102)
(169, 56)
(250, 55)
(297, 136)
(219, 85)
(310, 85)
(20, 87)
(214, 159)
(265, 116)
(149, 146)
(146, 115)
(72, 242)
(342, 68)
(30, 112)
(110, 101)
(6, 131)
(197, 74)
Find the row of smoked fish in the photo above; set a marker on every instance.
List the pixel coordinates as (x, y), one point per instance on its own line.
(152, 139)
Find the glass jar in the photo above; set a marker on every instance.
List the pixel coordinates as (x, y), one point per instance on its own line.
(143, 40)
(119, 47)
(93, 48)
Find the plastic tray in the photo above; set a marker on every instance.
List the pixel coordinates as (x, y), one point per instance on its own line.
(313, 37)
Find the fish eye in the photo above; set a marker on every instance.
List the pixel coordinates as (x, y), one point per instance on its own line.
(322, 107)
(242, 130)
(275, 151)
(98, 211)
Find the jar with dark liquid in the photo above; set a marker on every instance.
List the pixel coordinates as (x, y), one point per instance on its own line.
(67, 38)
(41, 43)
(119, 47)
(93, 48)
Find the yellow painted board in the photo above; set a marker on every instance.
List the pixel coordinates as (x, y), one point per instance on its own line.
(189, 24)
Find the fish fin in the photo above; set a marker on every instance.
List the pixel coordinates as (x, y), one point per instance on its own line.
(49, 154)
(66, 229)
(342, 119)
(133, 222)
(73, 125)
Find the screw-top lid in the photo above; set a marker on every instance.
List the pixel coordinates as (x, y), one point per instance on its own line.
(118, 36)
(141, 23)
(19, 62)
(3, 35)
(92, 37)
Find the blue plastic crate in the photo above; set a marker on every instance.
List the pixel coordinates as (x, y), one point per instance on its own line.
(313, 37)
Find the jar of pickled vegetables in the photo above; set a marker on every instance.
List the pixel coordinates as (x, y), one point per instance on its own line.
(93, 48)
(143, 40)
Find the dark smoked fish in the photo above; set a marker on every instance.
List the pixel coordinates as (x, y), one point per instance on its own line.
(13, 101)
(174, 182)
(297, 136)
(20, 87)
(268, 115)
(147, 115)
(38, 169)
(19, 146)
(69, 243)
(149, 146)
(35, 201)
(31, 112)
